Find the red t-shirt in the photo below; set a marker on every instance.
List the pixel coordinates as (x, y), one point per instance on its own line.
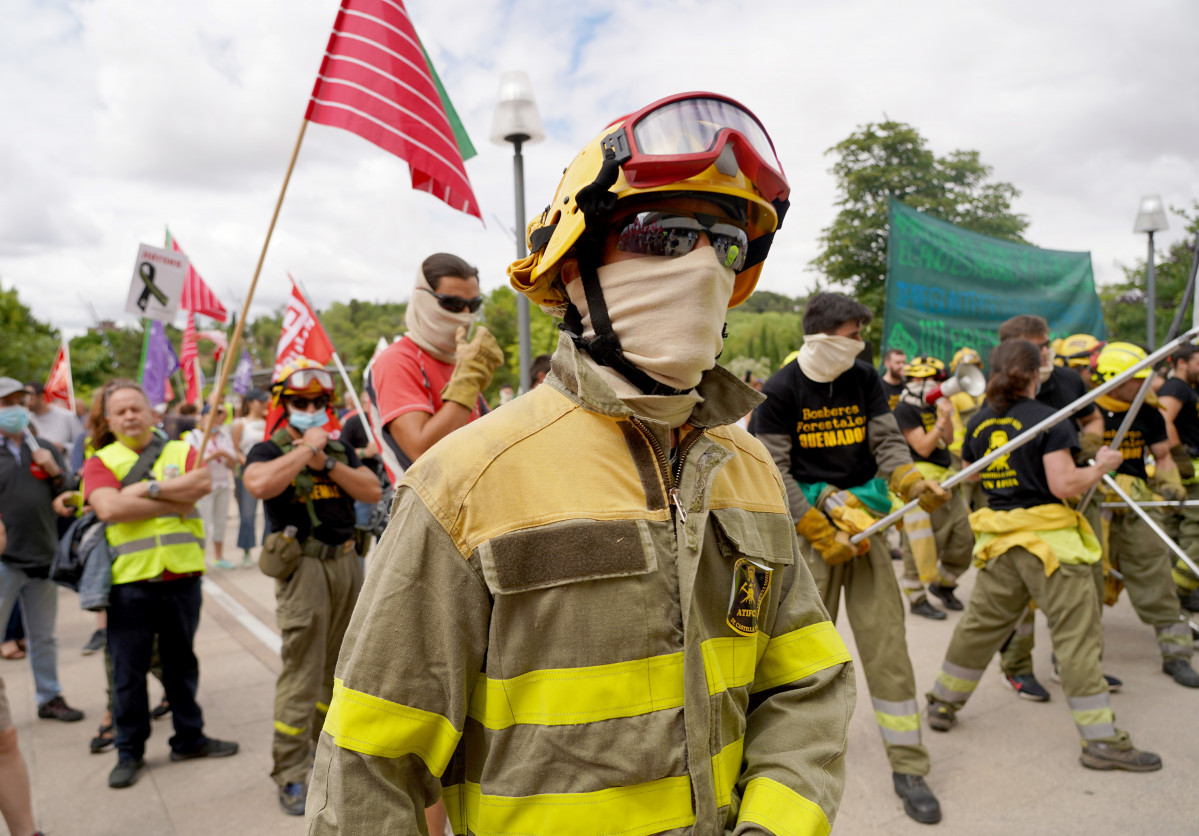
(409, 379)
(97, 475)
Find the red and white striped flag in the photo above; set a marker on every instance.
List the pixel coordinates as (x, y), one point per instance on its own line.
(197, 297)
(376, 82)
(59, 386)
(302, 334)
(189, 359)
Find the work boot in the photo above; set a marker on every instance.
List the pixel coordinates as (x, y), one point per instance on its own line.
(1182, 672)
(918, 800)
(924, 608)
(124, 774)
(945, 593)
(1099, 755)
(1114, 683)
(57, 709)
(292, 798)
(1189, 600)
(212, 748)
(941, 716)
(1027, 687)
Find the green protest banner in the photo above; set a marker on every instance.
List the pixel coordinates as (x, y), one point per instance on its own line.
(948, 288)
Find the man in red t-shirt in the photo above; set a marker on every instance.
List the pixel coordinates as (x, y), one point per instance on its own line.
(430, 383)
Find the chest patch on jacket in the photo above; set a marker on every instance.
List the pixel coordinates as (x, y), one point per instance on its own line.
(750, 583)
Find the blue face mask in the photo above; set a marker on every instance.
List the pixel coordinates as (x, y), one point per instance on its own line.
(14, 419)
(304, 421)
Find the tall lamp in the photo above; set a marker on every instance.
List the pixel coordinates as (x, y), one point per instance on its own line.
(517, 121)
(1151, 218)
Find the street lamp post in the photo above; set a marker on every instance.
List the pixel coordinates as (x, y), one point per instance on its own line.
(517, 121)
(1151, 218)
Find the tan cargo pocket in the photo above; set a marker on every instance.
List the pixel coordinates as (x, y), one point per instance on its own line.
(761, 536)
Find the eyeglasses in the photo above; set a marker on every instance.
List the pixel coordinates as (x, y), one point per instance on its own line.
(304, 404)
(456, 304)
(670, 234)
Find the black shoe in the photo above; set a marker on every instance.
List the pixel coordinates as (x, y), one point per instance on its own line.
(212, 748)
(1027, 687)
(104, 740)
(292, 797)
(918, 800)
(945, 593)
(161, 710)
(1099, 755)
(57, 709)
(1189, 600)
(1114, 683)
(896, 554)
(1182, 672)
(124, 774)
(941, 717)
(924, 608)
(96, 642)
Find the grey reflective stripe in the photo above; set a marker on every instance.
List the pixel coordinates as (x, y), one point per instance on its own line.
(1091, 703)
(180, 538)
(900, 738)
(955, 675)
(950, 668)
(144, 543)
(896, 709)
(911, 585)
(1178, 630)
(139, 545)
(1097, 732)
(947, 576)
(919, 534)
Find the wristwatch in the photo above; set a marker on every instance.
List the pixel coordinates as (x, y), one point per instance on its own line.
(330, 463)
(152, 490)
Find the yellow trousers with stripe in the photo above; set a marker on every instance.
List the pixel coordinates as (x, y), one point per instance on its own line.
(313, 611)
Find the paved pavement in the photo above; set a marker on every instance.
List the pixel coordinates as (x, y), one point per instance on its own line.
(1010, 767)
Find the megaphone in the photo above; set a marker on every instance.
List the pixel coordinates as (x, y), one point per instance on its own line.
(967, 378)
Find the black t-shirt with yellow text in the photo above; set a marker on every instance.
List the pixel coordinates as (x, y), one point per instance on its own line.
(1187, 419)
(1148, 428)
(333, 506)
(909, 417)
(892, 391)
(1018, 479)
(826, 422)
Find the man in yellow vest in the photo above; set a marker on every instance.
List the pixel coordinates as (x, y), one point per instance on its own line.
(146, 489)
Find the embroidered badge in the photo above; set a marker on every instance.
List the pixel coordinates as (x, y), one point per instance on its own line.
(170, 471)
(750, 582)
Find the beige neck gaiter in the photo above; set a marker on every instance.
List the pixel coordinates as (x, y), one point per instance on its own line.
(668, 314)
(431, 326)
(825, 357)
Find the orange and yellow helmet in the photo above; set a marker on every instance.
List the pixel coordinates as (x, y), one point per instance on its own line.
(301, 376)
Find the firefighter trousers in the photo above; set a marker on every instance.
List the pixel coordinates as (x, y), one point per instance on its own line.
(1183, 526)
(1144, 561)
(875, 610)
(954, 542)
(313, 611)
(1001, 594)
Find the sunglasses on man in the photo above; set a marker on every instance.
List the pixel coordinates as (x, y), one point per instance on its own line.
(302, 404)
(455, 304)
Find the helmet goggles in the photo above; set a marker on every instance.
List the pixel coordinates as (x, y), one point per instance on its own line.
(670, 234)
(305, 380)
(678, 137)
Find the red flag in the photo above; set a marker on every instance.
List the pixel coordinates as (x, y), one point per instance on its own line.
(189, 359)
(59, 386)
(375, 82)
(197, 297)
(302, 335)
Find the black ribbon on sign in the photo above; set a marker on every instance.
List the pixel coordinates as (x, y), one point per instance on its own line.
(146, 271)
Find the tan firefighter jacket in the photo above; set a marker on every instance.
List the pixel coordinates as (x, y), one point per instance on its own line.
(558, 637)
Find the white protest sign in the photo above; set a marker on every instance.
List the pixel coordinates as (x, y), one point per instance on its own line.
(157, 283)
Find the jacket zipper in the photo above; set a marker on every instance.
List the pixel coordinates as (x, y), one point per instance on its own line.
(668, 478)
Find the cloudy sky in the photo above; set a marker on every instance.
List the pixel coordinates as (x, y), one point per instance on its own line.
(123, 116)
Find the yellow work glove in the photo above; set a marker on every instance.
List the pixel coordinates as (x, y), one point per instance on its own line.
(477, 361)
(908, 482)
(1182, 458)
(1169, 484)
(833, 545)
(1088, 444)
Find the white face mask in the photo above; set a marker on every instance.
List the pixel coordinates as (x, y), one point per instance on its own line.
(668, 312)
(824, 357)
(431, 326)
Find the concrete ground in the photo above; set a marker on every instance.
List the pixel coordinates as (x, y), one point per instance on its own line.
(1010, 767)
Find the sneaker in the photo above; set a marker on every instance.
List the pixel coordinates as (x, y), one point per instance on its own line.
(212, 748)
(918, 800)
(292, 797)
(1182, 672)
(124, 774)
(104, 740)
(57, 709)
(247, 561)
(1099, 755)
(96, 642)
(924, 608)
(222, 564)
(161, 710)
(945, 593)
(941, 716)
(896, 554)
(1114, 683)
(1027, 687)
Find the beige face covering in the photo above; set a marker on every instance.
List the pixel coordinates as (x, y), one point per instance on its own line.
(824, 357)
(668, 312)
(431, 326)
(1047, 369)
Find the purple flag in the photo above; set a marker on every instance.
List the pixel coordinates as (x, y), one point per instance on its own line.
(159, 362)
(243, 375)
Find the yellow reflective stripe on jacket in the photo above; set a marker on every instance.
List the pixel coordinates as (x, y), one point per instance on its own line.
(639, 810)
(729, 661)
(375, 726)
(799, 653)
(781, 811)
(565, 696)
(726, 769)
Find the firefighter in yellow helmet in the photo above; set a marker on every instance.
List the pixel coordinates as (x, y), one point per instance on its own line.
(594, 616)
(1180, 408)
(965, 406)
(936, 547)
(1079, 352)
(1132, 547)
(308, 483)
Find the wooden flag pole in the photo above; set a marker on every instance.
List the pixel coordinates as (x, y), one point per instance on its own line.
(235, 343)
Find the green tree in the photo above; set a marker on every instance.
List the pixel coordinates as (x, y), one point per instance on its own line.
(28, 346)
(890, 159)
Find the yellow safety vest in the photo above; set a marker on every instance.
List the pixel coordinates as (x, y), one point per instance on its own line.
(145, 548)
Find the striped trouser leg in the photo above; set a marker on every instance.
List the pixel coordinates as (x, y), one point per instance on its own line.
(1184, 577)
(918, 530)
(955, 684)
(1175, 640)
(1094, 716)
(955, 540)
(899, 722)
